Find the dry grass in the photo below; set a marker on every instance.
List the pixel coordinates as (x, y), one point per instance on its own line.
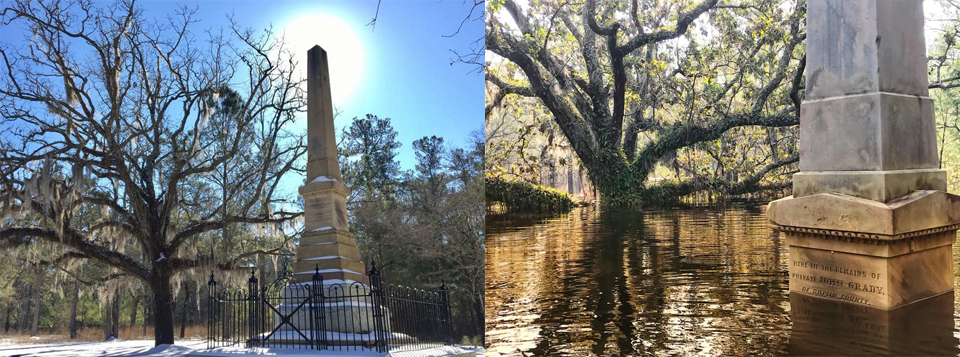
(95, 334)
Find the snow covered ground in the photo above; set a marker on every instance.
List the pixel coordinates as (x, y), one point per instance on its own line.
(114, 348)
(119, 348)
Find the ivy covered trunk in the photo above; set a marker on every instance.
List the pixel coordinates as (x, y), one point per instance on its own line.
(618, 183)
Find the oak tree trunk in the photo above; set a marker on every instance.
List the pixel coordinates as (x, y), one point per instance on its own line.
(115, 324)
(183, 311)
(26, 315)
(162, 310)
(6, 327)
(133, 312)
(73, 309)
(147, 314)
(478, 311)
(36, 313)
(107, 320)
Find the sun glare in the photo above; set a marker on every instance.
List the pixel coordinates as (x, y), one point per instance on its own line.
(343, 46)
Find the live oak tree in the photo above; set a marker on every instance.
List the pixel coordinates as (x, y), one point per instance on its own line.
(139, 144)
(633, 85)
(944, 77)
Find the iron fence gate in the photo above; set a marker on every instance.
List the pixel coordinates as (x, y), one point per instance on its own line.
(338, 314)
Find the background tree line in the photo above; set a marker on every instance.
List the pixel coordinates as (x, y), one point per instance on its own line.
(421, 226)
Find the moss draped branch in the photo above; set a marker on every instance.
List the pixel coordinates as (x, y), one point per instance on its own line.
(682, 135)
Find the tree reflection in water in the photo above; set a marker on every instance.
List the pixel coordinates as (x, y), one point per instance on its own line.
(693, 281)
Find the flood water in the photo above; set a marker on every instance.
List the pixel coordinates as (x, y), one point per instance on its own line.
(699, 281)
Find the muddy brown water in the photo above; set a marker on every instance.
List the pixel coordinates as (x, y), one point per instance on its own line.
(693, 281)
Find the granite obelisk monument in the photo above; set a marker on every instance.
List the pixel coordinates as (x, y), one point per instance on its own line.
(870, 221)
(326, 242)
(326, 246)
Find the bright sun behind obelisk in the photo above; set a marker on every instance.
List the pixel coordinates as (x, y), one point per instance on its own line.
(343, 46)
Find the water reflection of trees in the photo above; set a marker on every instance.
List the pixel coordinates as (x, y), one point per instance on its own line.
(614, 283)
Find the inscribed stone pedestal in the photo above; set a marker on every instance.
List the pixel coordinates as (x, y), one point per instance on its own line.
(870, 222)
(823, 327)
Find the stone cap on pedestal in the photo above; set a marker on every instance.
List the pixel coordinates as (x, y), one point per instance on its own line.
(915, 213)
(322, 184)
(882, 186)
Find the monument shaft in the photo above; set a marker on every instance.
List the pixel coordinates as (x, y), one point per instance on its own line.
(326, 245)
(870, 221)
(322, 141)
(326, 242)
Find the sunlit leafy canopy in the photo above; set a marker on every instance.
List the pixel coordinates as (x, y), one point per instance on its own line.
(697, 93)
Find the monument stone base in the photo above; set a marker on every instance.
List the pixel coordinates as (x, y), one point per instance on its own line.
(344, 310)
(822, 327)
(869, 253)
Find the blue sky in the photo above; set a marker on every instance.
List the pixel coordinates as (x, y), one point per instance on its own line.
(400, 69)
(406, 73)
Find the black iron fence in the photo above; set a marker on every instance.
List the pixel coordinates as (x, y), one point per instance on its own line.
(332, 314)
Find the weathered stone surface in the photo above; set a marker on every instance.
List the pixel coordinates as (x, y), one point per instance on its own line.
(831, 211)
(326, 264)
(924, 210)
(877, 131)
(917, 211)
(864, 46)
(326, 246)
(869, 246)
(323, 207)
(322, 250)
(882, 186)
(322, 185)
(866, 107)
(327, 236)
(884, 283)
(321, 133)
(334, 274)
(822, 327)
(902, 47)
(340, 261)
(870, 253)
